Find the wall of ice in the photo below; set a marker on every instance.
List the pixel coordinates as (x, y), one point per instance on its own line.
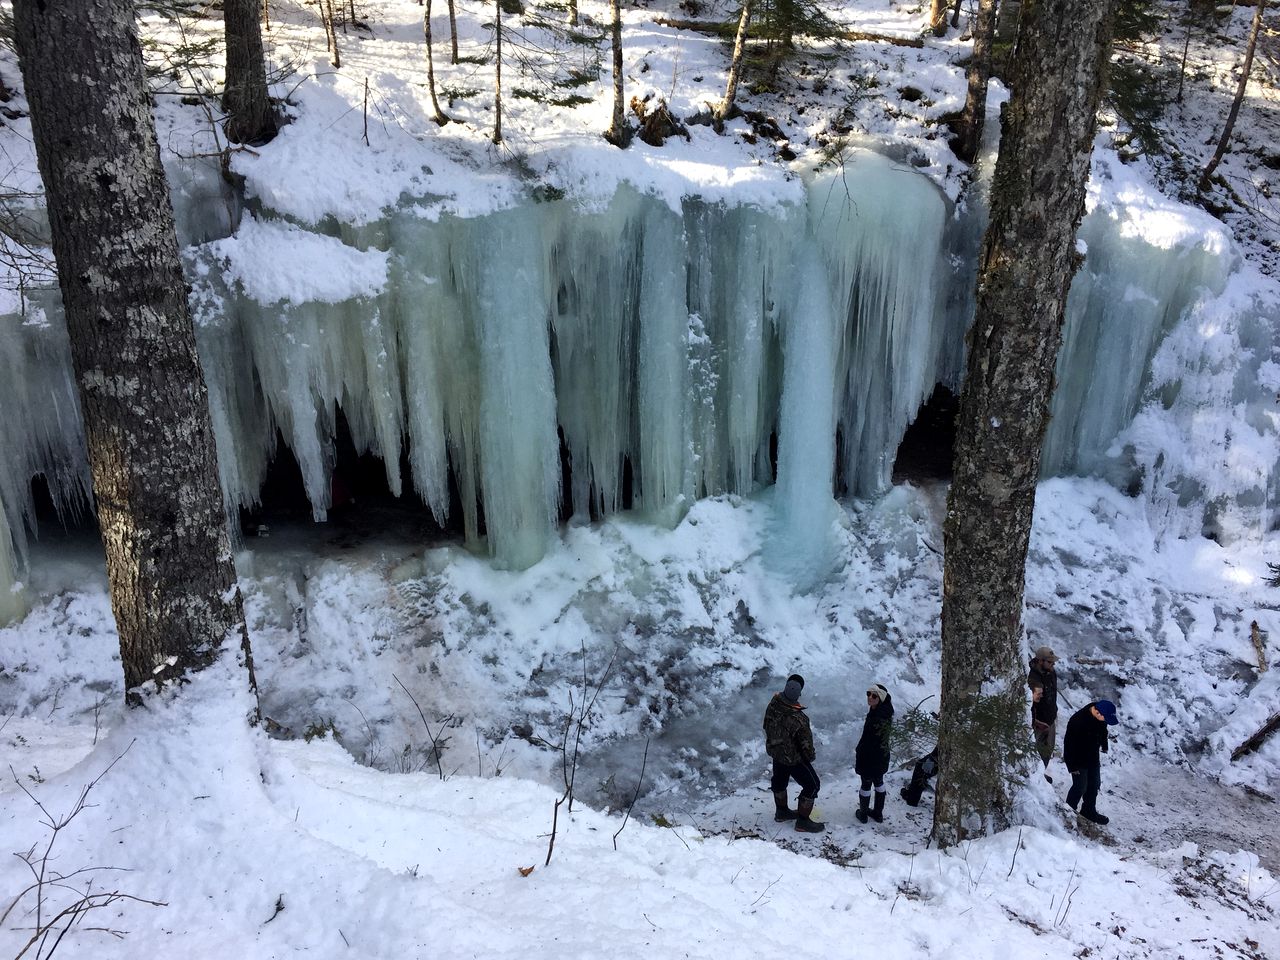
(670, 351)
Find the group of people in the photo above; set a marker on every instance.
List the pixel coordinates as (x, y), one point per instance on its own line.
(788, 740)
(789, 743)
(1084, 741)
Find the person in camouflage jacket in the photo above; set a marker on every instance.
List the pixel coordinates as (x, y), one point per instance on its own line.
(789, 743)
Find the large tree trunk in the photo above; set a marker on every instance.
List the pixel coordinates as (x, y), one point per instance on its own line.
(725, 106)
(938, 17)
(1234, 112)
(1028, 260)
(250, 118)
(142, 393)
(617, 133)
(975, 104)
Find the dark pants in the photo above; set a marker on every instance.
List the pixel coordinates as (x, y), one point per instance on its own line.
(1085, 783)
(925, 768)
(1045, 740)
(802, 773)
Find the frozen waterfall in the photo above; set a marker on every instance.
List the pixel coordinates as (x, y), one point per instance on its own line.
(552, 360)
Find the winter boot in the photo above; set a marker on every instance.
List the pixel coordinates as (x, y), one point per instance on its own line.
(864, 802)
(804, 807)
(782, 812)
(1096, 817)
(877, 811)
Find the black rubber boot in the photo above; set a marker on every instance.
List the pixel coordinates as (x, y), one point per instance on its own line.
(864, 802)
(803, 823)
(1096, 817)
(782, 813)
(877, 811)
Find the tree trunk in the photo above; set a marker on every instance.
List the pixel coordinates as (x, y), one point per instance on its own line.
(245, 101)
(439, 117)
(1218, 154)
(142, 393)
(497, 73)
(573, 13)
(938, 17)
(735, 66)
(453, 32)
(617, 133)
(975, 104)
(1028, 260)
(330, 32)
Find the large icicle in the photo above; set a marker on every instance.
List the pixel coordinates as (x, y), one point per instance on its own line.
(1122, 304)
(880, 228)
(505, 276)
(801, 541)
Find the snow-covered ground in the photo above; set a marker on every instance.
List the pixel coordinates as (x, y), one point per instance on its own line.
(421, 850)
(417, 697)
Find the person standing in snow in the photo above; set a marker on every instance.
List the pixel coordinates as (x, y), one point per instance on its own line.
(1042, 674)
(1082, 746)
(789, 743)
(871, 758)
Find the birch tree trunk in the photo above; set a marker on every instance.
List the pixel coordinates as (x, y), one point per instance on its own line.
(142, 393)
(735, 65)
(1028, 260)
(979, 76)
(1230, 125)
(617, 133)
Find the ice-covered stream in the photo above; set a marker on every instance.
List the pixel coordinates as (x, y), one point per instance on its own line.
(559, 358)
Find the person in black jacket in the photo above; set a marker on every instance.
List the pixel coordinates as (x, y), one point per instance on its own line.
(789, 743)
(1042, 674)
(871, 759)
(1082, 746)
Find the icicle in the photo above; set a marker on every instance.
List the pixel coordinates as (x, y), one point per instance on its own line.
(1123, 302)
(801, 541)
(504, 277)
(595, 272)
(664, 468)
(880, 229)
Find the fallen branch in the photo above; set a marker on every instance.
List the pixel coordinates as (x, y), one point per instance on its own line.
(1255, 741)
(722, 30)
(1259, 644)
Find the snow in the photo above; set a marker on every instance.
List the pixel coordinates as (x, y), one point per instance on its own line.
(351, 824)
(223, 824)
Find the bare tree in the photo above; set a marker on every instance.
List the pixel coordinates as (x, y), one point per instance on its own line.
(618, 133)
(439, 116)
(497, 72)
(1230, 125)
(453, 33)
(250, 118)
(142, 392)
(979, 75)
(1027, 262)
(735, 65)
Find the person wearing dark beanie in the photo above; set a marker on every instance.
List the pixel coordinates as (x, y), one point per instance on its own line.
(789, 743)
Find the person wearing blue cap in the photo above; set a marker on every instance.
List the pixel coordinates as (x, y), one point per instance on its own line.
(1082, 746)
